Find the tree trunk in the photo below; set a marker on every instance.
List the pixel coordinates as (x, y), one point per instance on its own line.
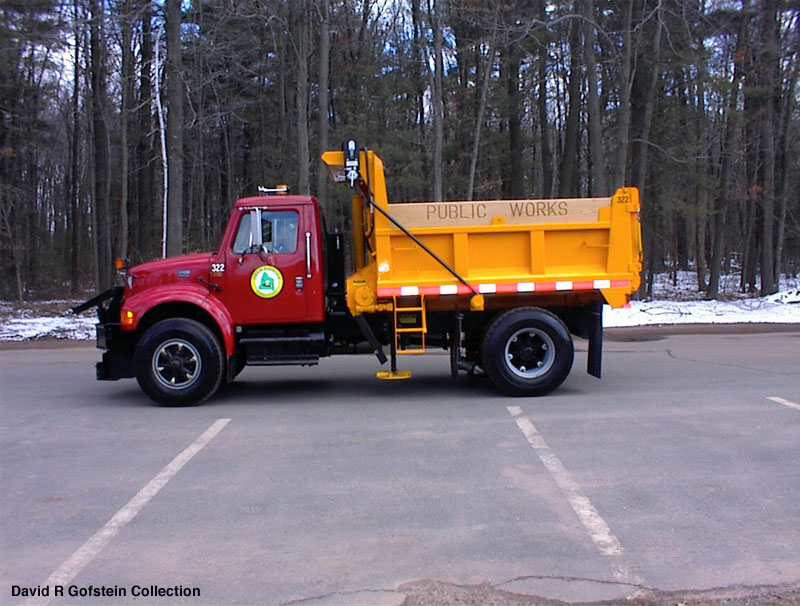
(102, 176)
(770, 63)
(789, 176)
(145, 211)
(420, 68)
(514, 188)
(125, 25)
(596, 156)
(438, 99)
(324, 70)
(545, 151)
(729, 144)
(175, 95)
(568, 171)
(701, 189)
(644, 109)
(476, 138)
(301, 24)
(74, 172)
(624, 109)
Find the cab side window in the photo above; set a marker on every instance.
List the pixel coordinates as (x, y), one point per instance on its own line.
(278, 232)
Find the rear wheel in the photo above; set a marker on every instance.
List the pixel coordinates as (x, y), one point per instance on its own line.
(527, 351)
(179, 362)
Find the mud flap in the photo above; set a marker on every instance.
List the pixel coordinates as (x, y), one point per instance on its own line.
(594, 326)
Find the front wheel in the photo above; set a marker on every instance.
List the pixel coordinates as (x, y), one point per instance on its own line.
(179, 362)
(527, 351)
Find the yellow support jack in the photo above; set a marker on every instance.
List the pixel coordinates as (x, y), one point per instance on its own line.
(393, 374)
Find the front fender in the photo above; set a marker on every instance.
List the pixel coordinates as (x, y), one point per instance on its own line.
(137, 306)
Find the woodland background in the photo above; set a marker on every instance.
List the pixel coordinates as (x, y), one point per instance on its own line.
(113, 110)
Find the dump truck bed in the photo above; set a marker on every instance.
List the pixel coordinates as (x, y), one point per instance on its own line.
(519, 246)
(589, 247)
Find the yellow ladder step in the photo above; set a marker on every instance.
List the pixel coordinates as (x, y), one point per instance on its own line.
(420, 329)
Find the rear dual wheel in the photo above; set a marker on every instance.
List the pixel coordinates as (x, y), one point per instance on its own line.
(179, 362)
(527, 351)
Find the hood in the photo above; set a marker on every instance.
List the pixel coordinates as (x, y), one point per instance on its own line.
(185, 268)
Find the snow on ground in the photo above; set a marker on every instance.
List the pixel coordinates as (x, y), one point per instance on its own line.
(674, 302)
(45, 319)
(767, 310)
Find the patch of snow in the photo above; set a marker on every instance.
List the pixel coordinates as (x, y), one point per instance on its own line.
(45, 319)
(677, 300)
(767, 310)
(24, 329)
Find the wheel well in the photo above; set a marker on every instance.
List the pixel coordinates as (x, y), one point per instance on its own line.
(179, 309)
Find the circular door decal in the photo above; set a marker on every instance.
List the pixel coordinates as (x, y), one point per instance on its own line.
(266, 281)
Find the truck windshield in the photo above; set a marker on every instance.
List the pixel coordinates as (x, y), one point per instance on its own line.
(278, 232)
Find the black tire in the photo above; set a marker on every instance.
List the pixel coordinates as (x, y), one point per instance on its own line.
(179, 362)
(527, 351)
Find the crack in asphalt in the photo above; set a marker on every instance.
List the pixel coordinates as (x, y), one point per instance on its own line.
(675, 356)
(570, 579)
(343, 593)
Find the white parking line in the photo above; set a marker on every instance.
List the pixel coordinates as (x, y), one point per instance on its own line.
(784, 402)
(592, 521)
(91, 548)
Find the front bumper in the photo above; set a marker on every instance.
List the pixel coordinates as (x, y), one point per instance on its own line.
(117, 360)
(119, 346)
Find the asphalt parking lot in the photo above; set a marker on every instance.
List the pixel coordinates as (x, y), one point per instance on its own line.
(674, 479)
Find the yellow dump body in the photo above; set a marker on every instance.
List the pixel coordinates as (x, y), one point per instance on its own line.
(509, 252)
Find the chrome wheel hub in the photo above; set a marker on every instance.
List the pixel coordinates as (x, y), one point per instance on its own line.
(177, 364)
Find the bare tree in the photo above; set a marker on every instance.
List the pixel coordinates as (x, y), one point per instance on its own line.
(102, 148)
(769, 37)
(144, 211)
(74, 169)
(301, 25)
(476, 138)
(437, 100)
(624, 82)
(596, 155)
(567, 178)
(729, 145)
(175, 95)
(323, 99)
(126, 28)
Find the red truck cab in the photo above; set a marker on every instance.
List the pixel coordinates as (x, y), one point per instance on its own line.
(184, 324)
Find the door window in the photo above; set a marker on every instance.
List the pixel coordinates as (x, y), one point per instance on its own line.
(278, 232)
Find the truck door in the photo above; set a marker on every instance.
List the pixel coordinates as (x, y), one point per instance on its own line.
(272, 269)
